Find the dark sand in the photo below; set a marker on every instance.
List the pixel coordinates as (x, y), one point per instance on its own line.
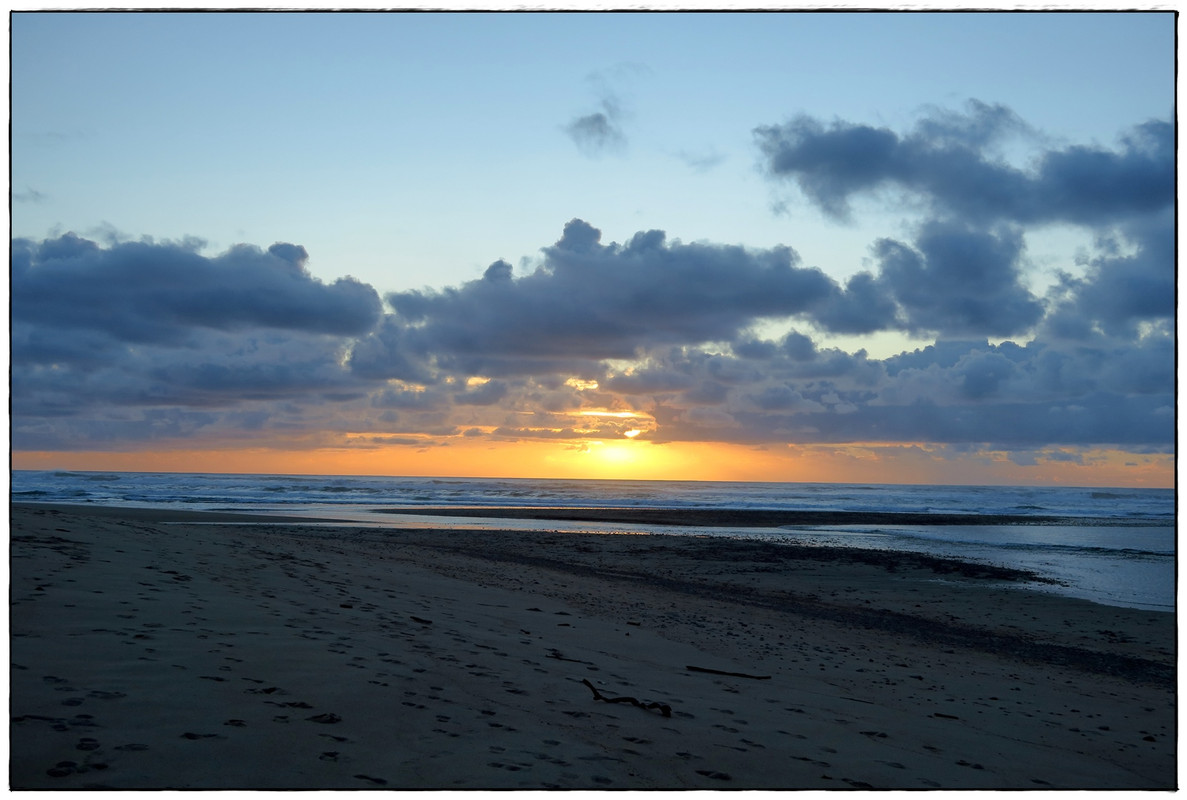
(162, 654)
(723, 517)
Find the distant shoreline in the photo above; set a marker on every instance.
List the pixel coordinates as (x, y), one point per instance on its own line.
(154, 514)
(716, 517)
(741, 517)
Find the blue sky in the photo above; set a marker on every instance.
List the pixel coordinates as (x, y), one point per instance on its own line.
(413, 151)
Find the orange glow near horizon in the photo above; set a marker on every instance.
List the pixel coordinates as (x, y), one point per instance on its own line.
(632, 459)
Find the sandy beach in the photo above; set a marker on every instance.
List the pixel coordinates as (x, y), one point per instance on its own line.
(155, 650)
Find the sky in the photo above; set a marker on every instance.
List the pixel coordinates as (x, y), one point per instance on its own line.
(867, 247)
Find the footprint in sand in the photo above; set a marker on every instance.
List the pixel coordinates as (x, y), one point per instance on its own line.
(377, 781)
(715, 775)
(62, 769)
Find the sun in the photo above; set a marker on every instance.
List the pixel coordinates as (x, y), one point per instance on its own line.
(623, 459)
(617, 453)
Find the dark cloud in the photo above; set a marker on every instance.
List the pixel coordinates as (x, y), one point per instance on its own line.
(983, 375)
(963, 273)
(109, 431)
(137, 337)
(154, 293)
(1130, 281)
(866, 305)
(782, 398)
(593, 301)
(486, 394)
(706, 393)
(389, 352)
(948, 162)
(410, 399)
(798, 347)
(122, 342)
(958, 281)
(951, 392)
(213, 371)
(601, 132)
(270, 375)
(755, 349)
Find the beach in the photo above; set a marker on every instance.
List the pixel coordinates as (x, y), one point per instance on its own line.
(154, 649)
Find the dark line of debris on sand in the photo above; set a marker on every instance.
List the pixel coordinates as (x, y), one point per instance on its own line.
(726, 517)
(921, 628)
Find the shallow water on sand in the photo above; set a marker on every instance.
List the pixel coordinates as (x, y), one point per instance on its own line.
(1117, 548)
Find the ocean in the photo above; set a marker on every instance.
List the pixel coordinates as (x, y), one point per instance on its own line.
(1112, 546)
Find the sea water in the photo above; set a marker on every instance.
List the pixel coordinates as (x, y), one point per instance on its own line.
(1112, 546)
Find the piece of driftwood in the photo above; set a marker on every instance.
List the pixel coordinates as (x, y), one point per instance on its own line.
(663, 708)
(554, 653)
(731, 674)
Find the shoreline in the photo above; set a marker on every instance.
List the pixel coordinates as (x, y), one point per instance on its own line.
(296, 655)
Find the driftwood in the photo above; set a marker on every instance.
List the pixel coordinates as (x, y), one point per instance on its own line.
(664, 708)
(731, 674)
(554, 653)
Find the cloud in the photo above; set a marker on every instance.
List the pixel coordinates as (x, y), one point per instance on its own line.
(952, 392)
(138, 337)
(958, 281)
(487, 394)
(389, 352)
(701, 161)
(598, 133)
(601, 132)
(947, 161)
(1130, 280)
(30, 195)
(594, 301)
(115, 341)
(152, 293)
(963, 274)
(214, 371)
(866, 305)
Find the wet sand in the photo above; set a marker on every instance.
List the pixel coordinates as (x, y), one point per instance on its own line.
(726, 517)
(149, 652)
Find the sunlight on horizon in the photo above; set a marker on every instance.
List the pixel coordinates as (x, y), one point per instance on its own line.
(634, 459)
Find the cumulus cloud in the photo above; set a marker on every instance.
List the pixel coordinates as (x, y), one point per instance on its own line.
(136, 337)
(486, 394)
(958, 281)
(593, 301)
(951, 392)
(1130, 280)
(148, 292)
(947, 161)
